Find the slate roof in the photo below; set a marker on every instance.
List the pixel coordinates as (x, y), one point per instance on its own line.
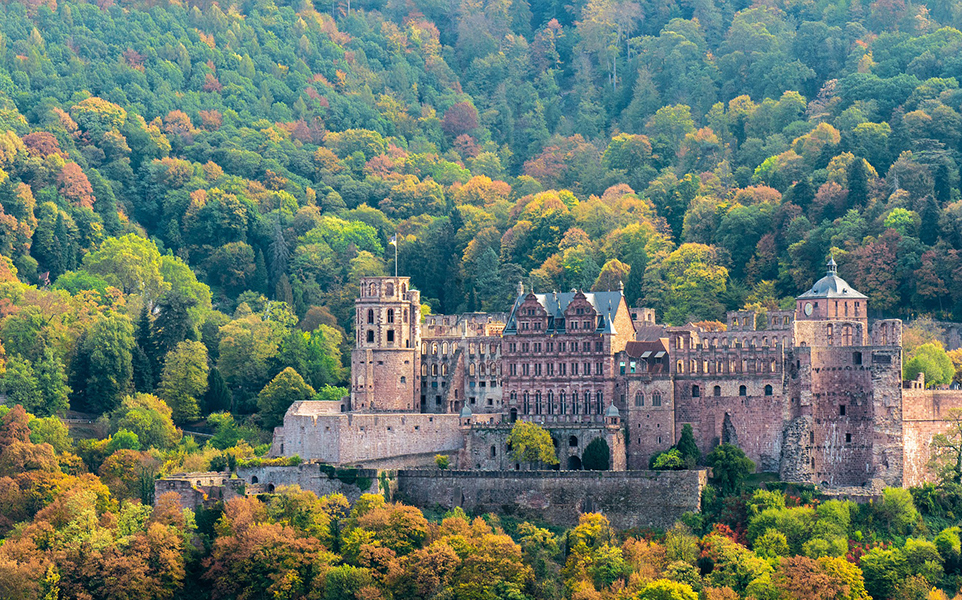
(832, 286)
(607, 304)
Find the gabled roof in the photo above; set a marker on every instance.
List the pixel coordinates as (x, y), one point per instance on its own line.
(607, 304)
(832, 286)
(638, 349)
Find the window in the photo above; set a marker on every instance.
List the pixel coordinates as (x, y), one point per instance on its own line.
(390, 335)
(434, 370)
(742, 390)
(434, 349)
(656, 399)
(857, 358)
(370, 335)
(404, 379)
(562, 405)
(494, 452)
(390, 315)
(370, 316)
(599, 346)
(848, 438)
(372, 290)
(389, 289)
(841, 410)
(768, 390)
(573, 442)
(639, 399)
(717, 390)
(695, 391)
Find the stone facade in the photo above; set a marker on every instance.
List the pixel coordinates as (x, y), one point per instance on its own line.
(813, 394)
(627, 498)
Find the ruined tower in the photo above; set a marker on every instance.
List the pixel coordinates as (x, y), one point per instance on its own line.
(385, 359)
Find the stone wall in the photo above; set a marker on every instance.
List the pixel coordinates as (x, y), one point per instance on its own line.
(487, 446)
(363, 438)
(627, 498)
(320, 479)
(923, 413)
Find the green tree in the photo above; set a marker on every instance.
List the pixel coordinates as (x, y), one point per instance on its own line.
(729, 467)
(687, 447)
(217, 398)
(131, 264)
(277, 396)
(531, 443)
(20, 384)
(149, 417)
(184, 380)
(932, 360)
(597, 456)
(102, 370)
(665, 589)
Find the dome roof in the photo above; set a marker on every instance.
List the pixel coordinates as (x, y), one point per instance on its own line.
(832, 286)
(612, 411)
(466, 412)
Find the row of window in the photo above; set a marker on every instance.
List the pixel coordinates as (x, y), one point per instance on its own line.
(571, 326)
(391, 336)
(473, 369)
(473, 348)
(552, 369)
(388, 316)
(388, 289)
(745, 365)
(548, 404)
(549, 347)
(682, 342)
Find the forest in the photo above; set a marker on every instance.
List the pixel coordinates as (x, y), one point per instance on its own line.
(190, 192)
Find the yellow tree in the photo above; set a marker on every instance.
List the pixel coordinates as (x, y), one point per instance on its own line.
(532, 444)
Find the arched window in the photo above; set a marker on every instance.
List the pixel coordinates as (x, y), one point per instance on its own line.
(390, 315)
(742, 390)
(550, 403)
(481, 369)
(768, 390)
(434, 370)
(525, 403)
(444, 369)
(587, 399)
(639, 399)
(370, 336)
(572, 442)
(389, 289)
(717, 390)
(370, 316)
(599, 403)
(434, 348)
(494, 452)
(847, 333)
(574, 403)
(562, 407)
(424, 370)
(537, 403)
(681, 366)
(404, 288)
(695, 391)
(444, 348)
(372, 290)
(656, 399)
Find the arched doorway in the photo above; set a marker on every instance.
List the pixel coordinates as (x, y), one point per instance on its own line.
(254, 479)
(574, 463)
(514, 415)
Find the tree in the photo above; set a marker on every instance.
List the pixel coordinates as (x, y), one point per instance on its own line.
(597, 456)
(277, 396)
(184, 380)
(665, 589)
(531, 443)
(947, 448)
(102, 370)
(149, 417)
(931, 360)
(729, 466)
(687, 447)
(131, 264)
(217, 398)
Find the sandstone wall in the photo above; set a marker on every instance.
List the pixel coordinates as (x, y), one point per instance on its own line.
(354, 438)
(314, 477)
(923, 412)
(627, 498)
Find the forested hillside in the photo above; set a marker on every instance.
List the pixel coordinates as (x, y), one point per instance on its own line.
(189, 193)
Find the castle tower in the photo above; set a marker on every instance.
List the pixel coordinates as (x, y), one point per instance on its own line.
(386, 357)
(832, 313)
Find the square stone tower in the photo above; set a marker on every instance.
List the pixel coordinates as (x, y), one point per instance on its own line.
(386, 355)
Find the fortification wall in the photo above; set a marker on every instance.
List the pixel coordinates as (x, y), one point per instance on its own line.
(627, 498)
(368, 438)
(315, 477)
(923, 414)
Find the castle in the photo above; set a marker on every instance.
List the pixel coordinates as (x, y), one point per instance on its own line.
(815, 394)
